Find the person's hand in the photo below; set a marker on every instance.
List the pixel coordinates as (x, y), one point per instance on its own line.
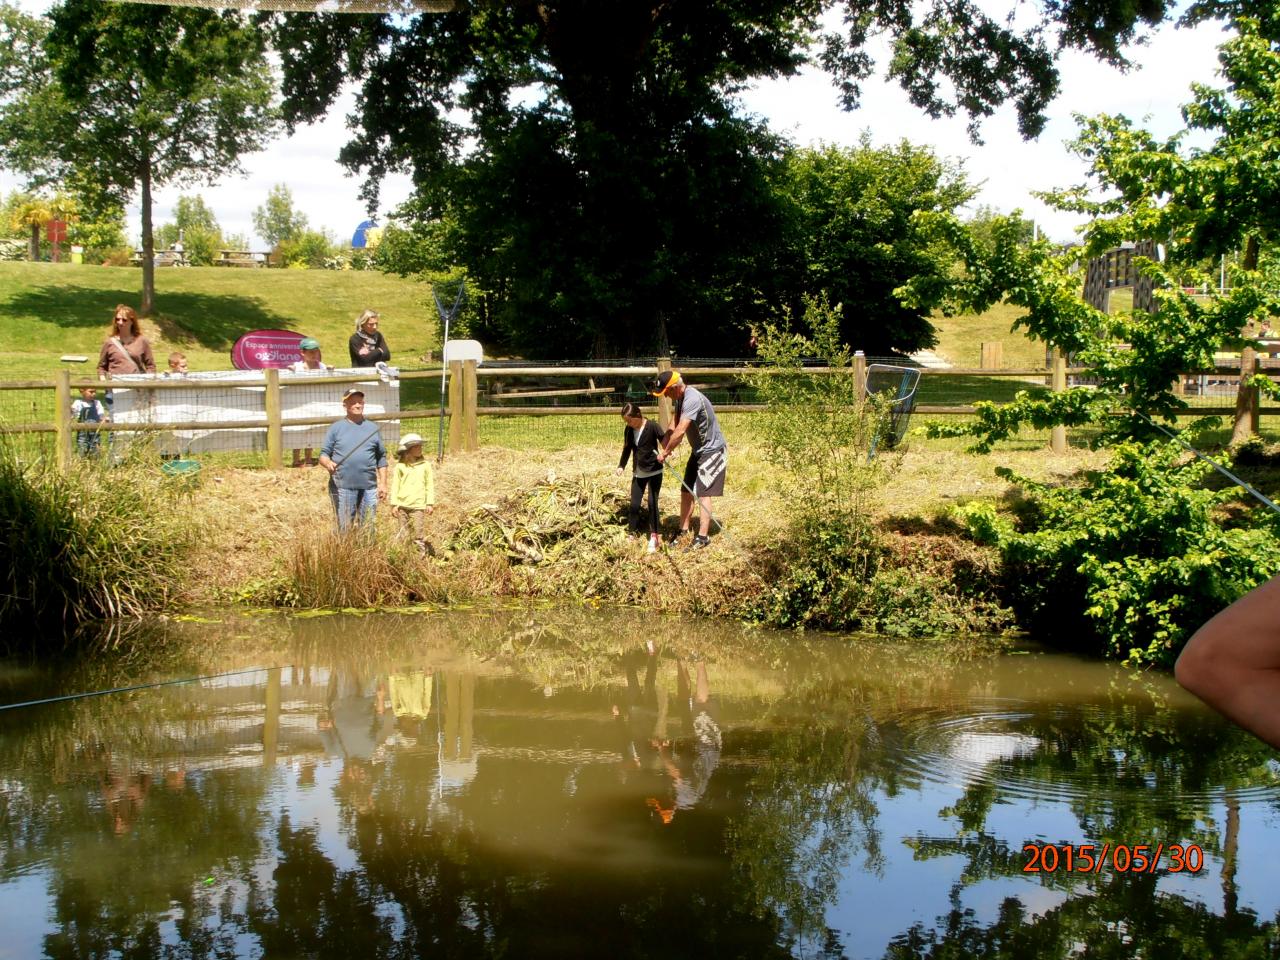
(364, 350)
(662, 456)
(330, 466)
(382, 493)
(618, 472)
(431, 508)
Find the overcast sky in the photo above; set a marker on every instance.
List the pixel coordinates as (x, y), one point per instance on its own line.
(1007, 168)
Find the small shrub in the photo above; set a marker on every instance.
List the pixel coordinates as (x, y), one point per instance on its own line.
(116, 257)
(335, 570)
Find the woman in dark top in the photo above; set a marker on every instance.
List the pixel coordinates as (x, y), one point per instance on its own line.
(368, 346)
(641, 437)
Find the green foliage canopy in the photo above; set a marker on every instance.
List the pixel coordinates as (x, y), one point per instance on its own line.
(195, 223)
(854, 239)
(611, 195)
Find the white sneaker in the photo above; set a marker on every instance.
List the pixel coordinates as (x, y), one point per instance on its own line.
(653, 544)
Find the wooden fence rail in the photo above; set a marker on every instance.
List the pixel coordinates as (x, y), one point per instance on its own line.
(463, 398)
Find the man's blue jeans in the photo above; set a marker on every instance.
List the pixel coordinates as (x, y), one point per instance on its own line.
(355, 506)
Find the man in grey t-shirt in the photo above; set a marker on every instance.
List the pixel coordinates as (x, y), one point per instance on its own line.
(356, 459)
(708, 463)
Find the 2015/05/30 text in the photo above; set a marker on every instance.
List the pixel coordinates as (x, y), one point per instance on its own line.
(1120, 857)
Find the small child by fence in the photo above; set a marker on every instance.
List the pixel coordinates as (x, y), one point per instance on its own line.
(88, 409)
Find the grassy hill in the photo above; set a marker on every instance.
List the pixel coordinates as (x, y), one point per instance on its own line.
(960, 338)
(48, 309)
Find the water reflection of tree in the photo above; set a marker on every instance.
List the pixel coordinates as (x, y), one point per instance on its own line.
(1124, 916)
(470, 864)
(1135, 774)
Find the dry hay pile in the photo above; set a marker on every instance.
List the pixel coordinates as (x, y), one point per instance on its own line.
(541, 523)
(567, 536)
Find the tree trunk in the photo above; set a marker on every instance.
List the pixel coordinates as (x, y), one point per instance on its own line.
(35, 242)
(1246, 395)
(148, 244)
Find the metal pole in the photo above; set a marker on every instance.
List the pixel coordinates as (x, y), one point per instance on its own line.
(443, 369)
(447, 316)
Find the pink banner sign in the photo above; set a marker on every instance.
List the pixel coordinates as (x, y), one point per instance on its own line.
(261, 349)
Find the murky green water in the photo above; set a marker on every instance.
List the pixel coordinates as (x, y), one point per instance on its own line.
(537, 784)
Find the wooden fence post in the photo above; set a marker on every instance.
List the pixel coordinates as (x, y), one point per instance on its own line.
(1058, 435)
(275, 432)
(64, 441)
(1255, 412)
(992, 355)
(455, 406)
(664, 403)
(471, 432)
(860, 374)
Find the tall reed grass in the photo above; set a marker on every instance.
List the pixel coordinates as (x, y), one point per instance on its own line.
(102, 540)
(335, 571)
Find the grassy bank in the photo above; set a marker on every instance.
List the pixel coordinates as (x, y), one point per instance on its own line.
(265, 536)
(49, 309)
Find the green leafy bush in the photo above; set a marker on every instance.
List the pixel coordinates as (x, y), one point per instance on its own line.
(1131, 561)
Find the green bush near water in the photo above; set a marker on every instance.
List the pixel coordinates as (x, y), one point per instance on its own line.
(99, 541)
(836, 571)
(1130, 562)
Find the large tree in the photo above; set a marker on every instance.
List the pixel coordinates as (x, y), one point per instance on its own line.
(595, 156)
(134, 96)
(853, 236)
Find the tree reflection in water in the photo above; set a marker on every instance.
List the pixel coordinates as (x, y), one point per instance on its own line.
(519, 784)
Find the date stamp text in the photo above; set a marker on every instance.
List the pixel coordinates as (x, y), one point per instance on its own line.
(1119, 857)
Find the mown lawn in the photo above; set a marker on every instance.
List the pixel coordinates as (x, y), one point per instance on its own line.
(47, 310)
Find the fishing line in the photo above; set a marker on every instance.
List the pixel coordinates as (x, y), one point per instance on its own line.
(1213, 463)
(137, 686)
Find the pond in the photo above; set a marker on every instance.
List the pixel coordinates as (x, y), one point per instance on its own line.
(538, 782)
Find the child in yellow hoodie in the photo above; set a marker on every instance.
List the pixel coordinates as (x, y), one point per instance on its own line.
(413, 490)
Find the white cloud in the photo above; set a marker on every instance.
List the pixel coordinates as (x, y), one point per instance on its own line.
(307, 164)
(1007, 167)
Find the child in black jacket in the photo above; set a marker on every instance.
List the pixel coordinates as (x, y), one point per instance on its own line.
(641, 437)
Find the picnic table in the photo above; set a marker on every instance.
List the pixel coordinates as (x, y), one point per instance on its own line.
(162, 258)
(242, 258)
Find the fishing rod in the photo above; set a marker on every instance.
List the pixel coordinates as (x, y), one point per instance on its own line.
(129, 689)
(684, 486)
(1262, 498)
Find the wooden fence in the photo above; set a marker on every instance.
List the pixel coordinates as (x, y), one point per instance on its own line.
(464, 395)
